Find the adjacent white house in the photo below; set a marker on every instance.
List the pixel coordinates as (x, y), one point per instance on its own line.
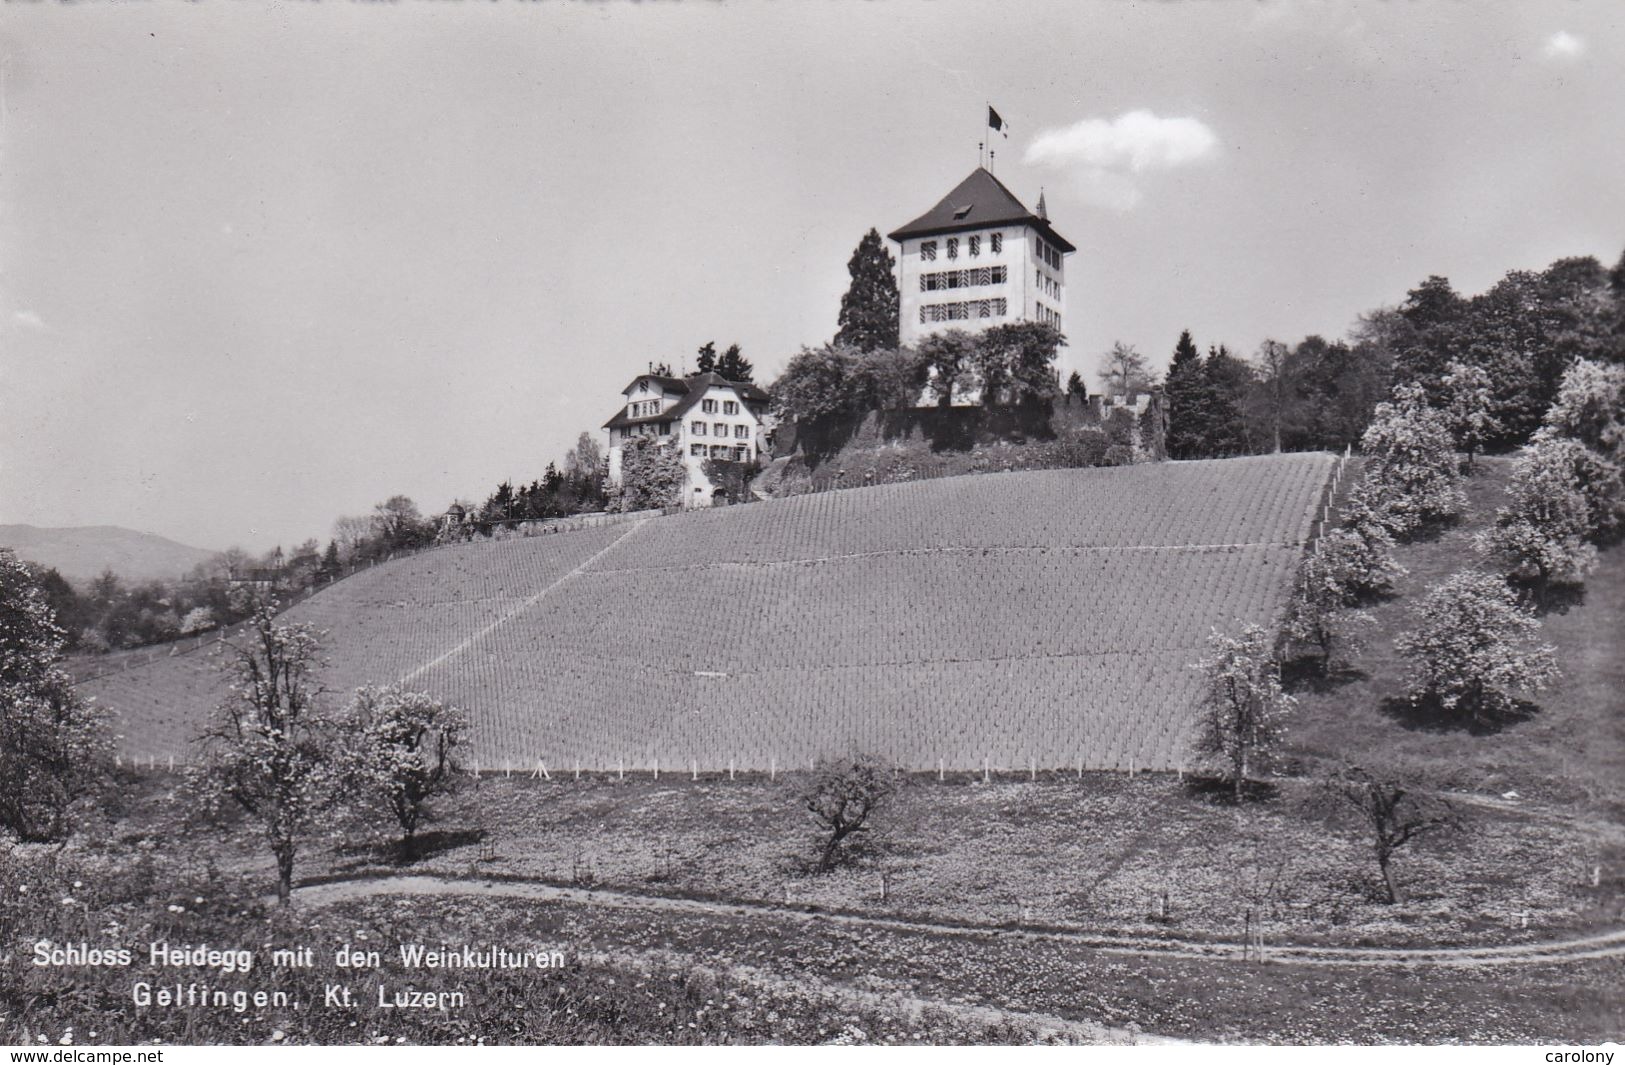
(704, 416)
(979, 258)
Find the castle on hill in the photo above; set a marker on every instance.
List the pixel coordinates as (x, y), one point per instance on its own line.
(979, 258)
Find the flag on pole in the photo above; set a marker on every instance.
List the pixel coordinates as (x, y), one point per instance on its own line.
(995, 122)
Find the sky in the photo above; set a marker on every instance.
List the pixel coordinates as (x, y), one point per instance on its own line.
(266, 264)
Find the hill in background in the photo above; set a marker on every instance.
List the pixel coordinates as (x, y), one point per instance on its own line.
(82, 553)
(1043, 619)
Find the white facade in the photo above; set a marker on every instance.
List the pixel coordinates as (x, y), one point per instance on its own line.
(973, 279)
(704, 417)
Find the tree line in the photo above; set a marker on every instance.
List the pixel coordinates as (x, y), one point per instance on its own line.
(1497, 358)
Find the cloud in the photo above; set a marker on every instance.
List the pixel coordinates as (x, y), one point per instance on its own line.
(1563, 45)
(30, 320)
(1103, 157)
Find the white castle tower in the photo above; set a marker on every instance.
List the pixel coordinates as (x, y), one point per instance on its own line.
(979, 258)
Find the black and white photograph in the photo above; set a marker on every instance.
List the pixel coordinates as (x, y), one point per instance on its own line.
(894, 523)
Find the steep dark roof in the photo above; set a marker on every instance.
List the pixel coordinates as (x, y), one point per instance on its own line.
(669, 384)
(979, 201)
(693, 389)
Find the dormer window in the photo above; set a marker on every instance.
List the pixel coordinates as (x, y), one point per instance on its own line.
(928, 250)
(961, 212)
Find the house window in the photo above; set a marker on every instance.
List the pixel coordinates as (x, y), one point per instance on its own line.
(718, 451)
(741, 432)
(709, 406)
(697, 428)
(975, 246)
(697, 449)
(928, 250)
(730, 407)
(953, 247)
(719, 429)
(741, 454)
(996, 243)
(665, 428)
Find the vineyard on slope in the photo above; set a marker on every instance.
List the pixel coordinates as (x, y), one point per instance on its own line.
(1043, 619)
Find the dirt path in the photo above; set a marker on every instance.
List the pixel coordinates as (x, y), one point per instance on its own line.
(1601, 945)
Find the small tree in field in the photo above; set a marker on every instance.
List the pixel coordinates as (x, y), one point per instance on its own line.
(1470, 407)
(53, 745)
(1362, 551)
(1243, 704)
(1394, 814)
(1410, 463)
(1320, 615)
(841, 795)
(1541, 536)
(265, 751)
(1474, 647)
(399, 753)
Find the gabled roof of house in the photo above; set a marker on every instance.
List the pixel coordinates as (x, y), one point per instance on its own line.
(693, 390)
(667, 384)
(979, 201)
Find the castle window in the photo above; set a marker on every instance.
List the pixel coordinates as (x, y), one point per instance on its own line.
(697, 449)
(975, 246)
(980, 275)
(928, 250)
(953, 247)
(697, 428)
(996, 242)
(709, 406)
(730, 407)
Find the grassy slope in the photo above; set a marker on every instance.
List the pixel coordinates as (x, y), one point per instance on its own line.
(1572, 751)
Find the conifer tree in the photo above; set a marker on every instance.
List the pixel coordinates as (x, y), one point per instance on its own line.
(733, 366)
(1188, 395)
(707, 362)
(1229, 381)
(868, 319)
